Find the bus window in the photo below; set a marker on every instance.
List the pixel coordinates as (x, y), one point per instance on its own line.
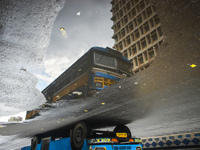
(122, 65)
(104, 60)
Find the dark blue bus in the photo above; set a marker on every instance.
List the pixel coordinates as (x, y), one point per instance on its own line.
(97, 69)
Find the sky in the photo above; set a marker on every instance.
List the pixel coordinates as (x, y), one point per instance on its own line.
(86, 24)
(21, 114)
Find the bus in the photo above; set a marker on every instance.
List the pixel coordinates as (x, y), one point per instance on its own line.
(118, 139)
(97, 69)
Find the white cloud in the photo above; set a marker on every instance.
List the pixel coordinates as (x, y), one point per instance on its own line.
(5, 118)
(47, 79)
(56, 65)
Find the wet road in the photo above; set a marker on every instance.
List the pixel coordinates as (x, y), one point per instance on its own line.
(162, 99)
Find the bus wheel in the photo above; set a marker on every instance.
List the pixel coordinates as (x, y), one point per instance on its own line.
(123, 128)
(78, 135)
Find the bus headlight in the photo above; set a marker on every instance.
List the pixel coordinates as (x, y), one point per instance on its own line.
(138, 148)
(100, 148)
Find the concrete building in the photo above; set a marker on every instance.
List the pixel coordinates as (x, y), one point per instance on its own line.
(15, 119)
(137, 31)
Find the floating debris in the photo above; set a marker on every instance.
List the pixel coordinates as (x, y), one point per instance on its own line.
(78, 13)
(193, 65)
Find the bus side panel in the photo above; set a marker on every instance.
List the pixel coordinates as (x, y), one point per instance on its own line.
(73, 86)
(105, 75)
(101, 74)
(26, 148)
(62, 144)
(39, 146)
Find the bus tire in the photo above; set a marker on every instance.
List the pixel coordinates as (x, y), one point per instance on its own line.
(78, 135)
(123, 128)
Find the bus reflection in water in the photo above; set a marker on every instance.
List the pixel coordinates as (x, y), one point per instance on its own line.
(97, 69)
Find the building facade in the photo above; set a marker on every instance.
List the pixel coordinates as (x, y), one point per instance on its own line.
(137, 31)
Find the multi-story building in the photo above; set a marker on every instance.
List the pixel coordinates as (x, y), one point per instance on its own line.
(137, 31)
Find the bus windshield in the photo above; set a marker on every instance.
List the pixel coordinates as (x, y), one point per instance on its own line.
(105, 61)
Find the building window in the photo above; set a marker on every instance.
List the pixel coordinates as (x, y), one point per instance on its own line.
(132, 3)
(135, 62)
(129, 16)
(125, 20)
(124, 9)
(130, 52)
(142, 5)
(133, 49)
(125, 54)
(132, 36)
(154, 36)
(127, 29)
(145, 56)
(143, 42)
(137, 34)
(156, 19)
(151, 53)
(159, 31)
(120, 46)
(122, 2)
(124, 42)
(128, 40)
(118, 26)
(140, 59)
(148, 39)
(154, 8)
(137, 8)
(123, 33)
(149, 11)
(146, 27)
(116, 8)
(133, 12)
(131, 61)
(141, 30)
(115, 38)
(136, 1)
(138, 45)
(130, 26)
(139, 19)
(121, 13)
(144, 15)
(135, 22)
(128, 6)
(151, 22)
(147, 2)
